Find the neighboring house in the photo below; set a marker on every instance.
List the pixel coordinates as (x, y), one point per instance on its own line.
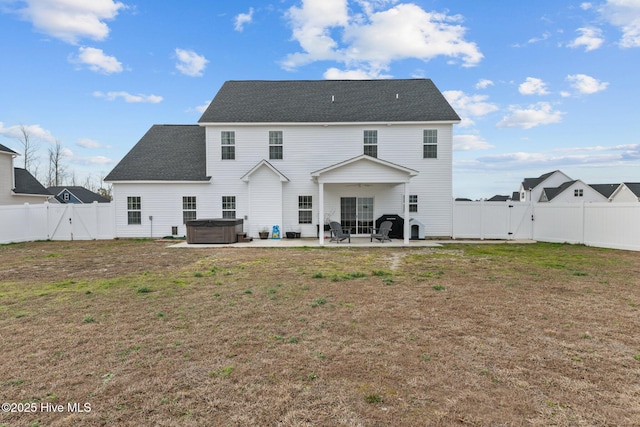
(574, 192)
(296, 154)
(628, 192)
(499, 198)
(76, 194)
(18, 186)
(531, 188)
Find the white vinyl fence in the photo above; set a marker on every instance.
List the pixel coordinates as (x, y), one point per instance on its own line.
(607, 225)
(22, 223)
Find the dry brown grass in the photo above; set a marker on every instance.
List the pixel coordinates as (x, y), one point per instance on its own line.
(479, 335)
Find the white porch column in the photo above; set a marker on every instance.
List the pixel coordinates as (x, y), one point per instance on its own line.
(321, 213)
(407, 227)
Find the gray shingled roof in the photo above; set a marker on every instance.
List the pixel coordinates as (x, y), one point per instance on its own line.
(7, 149)
(28, 184)
(81, 193)
(634, 187)
(165, 153)
(330, 101)
(605, 189)
(528, 183)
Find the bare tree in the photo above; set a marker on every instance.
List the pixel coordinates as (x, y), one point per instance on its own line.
(29, 147)
(57, 170)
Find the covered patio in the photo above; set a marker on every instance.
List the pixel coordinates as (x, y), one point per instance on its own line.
(362, 170)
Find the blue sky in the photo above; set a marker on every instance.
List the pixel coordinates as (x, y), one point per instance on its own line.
(540, 85)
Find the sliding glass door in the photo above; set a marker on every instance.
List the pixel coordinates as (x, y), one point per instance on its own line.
(356, 214)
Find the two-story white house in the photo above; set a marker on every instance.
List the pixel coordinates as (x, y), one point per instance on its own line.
(17, 185)
(296, 154)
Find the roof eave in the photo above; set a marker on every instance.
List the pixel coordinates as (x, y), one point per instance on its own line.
(378, 123)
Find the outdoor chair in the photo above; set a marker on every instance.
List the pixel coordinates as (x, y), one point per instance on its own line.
(338, 233)
(383, 232)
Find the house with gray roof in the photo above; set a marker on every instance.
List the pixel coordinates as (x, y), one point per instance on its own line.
(76, 194)
(576, 191)
(17, 185)
(531, 188)
(627, 192)
(296, 155)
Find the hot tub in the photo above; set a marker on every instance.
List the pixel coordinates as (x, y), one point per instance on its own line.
(214, 230)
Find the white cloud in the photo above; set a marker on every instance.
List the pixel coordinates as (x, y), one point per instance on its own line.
(362, 74)
(71, 20)
(88, 143)
(36, 132)
(483, 84)
(624, 14)
(586, 85)
(200, 108)
(127, 97)
(613, 156)
(590, 38)
(369, 40)
(468, 106)
(538, 114)
(586, 6)
(93, 160)
(98, 61)
(469, 143)
(533, 86)
(190, 63)
(242, 19)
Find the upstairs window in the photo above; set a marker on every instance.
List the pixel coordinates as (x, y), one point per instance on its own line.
(188, 208)
(371, 143)
(134, 210)
(430, 144)
(578, 192)
(305, 213)
(228, 141)
(413, 203)
(275, 145)
(228, 206)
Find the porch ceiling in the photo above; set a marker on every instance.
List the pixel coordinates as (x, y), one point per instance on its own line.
(364, 169)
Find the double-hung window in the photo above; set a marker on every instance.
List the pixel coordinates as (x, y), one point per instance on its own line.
(188, 208)
(430, 144)
(228, 206)
(228, 142)
(305, 212)
(275, 145)
(371, 143)
(413, 203)
(134, 210)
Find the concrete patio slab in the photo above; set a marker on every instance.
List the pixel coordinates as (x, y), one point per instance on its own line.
(356, 242)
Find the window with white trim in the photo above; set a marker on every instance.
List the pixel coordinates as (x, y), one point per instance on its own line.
(134, 210)
(275, 145)
(371, 143)
(305, 209)
(413, 203)
(430, 144)
(228, 142)
(578, 192)
(188, 208)
(228, 206)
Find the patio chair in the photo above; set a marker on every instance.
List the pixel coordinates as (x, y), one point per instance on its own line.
(383, 232)
(338, 233)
